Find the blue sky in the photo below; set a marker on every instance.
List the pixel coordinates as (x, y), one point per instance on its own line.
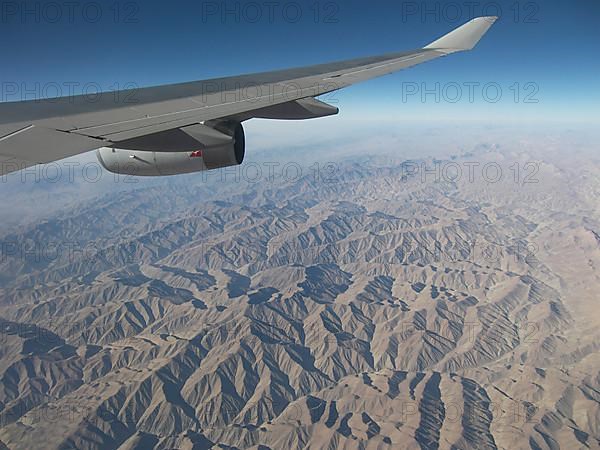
(542, 55)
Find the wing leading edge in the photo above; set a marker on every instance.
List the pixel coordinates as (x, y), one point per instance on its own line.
(41, 131)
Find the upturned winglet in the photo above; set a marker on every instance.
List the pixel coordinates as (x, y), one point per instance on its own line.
(464, 37)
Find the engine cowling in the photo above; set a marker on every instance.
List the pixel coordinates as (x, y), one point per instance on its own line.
(190, 149)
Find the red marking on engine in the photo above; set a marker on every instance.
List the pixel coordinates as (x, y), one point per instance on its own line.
(196, 154)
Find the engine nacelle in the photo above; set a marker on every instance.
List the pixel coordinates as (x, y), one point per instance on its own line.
(185, 150)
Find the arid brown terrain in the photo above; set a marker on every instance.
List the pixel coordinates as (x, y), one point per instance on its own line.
(375, 302)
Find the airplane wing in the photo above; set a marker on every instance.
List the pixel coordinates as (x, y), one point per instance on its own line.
(41, 131)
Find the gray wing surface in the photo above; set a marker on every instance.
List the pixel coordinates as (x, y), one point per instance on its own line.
(40, 131)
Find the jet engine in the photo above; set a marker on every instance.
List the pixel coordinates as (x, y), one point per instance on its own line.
(194, 148)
